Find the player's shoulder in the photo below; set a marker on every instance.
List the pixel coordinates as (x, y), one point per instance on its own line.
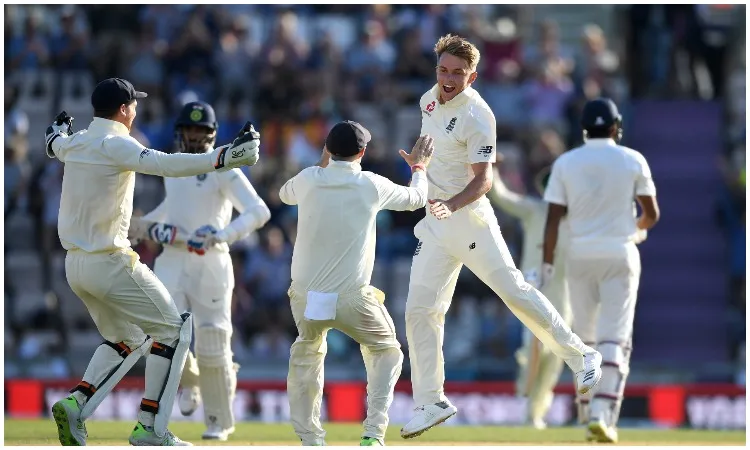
(122, 140)
(632, 153)
(428, 98)
(477, 109)
(230, 175)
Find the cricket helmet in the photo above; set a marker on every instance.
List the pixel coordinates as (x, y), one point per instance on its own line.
(599, 115)
(202, 118)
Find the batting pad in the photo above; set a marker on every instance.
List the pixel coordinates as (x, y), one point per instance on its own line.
(169, 392)
(218, 375)
(109, 383)
(190, 373)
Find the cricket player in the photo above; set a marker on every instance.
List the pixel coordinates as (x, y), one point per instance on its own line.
(331, 270)
(539, 368)
(595, 187)
(460, 228)
(131, 308)
(198, 273)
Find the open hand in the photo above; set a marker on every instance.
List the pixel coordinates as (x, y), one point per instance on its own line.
(421, 153)
(441, 209)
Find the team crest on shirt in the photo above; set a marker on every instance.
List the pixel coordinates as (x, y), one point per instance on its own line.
(430, 108)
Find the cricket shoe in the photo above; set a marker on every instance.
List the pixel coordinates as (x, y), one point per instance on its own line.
(599, 431)
(143, 435)
(427, 417)
(190, 399)
(217, 433)
(70, 428)
(538, 424)
(370, 442)
(591, 373)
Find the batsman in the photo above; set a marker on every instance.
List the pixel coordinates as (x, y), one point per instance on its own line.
(196, 267)
(539, 368)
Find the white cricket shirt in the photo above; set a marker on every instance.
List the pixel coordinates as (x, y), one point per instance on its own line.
(335, 247)
(464, 133)
(598, 183)
(98, 181)
(208, 199)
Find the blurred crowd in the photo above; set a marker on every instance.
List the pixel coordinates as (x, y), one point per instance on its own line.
(295, 70)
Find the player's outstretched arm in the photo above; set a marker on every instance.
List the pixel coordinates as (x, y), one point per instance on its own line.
(128, 154)
(395, 197)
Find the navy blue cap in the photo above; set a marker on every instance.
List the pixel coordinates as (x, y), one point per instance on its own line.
(113, 92)
(347, 138)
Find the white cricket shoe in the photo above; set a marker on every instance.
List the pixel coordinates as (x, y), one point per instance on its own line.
(190, 400)
(427, 417)
(591, 373)
(599, 431)
(215, 432)
(538, 424)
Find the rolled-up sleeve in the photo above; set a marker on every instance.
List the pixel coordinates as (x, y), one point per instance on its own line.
(395, 197)
(128, 154)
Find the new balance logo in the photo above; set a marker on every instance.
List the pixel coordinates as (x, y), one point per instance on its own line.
(451, 125)
(589, 375)
(144, 152)
(486, 151)
(473, 246)
(419, 247)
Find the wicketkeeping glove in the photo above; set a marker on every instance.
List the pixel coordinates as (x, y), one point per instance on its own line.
(243, 151)
(62, 126)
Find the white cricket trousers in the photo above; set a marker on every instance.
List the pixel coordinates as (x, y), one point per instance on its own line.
(603, 294)
(363, 317)
(470, 236)
(538, 368)
(124, 297)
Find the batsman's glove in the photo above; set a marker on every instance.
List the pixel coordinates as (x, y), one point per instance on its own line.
(204, 238)
(243, 151)
(546, 275)
(62, 126)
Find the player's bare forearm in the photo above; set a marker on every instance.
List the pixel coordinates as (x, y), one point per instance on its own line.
(477, 187)
(651, 212)
(555, 213)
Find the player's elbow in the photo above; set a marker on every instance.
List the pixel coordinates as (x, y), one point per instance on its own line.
(420, 199)
(264, 215)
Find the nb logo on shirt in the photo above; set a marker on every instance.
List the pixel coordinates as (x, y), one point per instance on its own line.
(419, 247)
(486, 151)
(451, 125)
(144, 152)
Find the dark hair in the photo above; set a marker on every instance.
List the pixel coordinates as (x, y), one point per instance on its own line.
(601, 132)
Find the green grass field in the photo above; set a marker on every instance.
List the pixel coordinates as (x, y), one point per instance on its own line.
(43, 432)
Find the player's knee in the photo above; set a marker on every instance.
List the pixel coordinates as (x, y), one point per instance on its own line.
(423, 304)
(163, 350)
(123, 348)
(304, 349)
(510, 285)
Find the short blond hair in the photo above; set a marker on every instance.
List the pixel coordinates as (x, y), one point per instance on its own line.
(459, 47)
